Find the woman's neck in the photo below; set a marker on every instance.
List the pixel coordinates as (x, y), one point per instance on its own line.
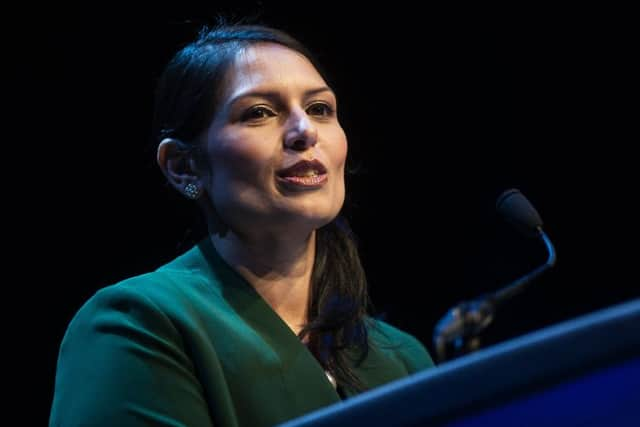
(279, 268)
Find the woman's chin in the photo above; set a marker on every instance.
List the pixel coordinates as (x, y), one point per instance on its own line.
(311, 220)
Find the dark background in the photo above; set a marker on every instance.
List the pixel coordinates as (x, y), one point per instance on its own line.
(444, 110)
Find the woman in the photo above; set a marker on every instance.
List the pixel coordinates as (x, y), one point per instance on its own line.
(265, 318)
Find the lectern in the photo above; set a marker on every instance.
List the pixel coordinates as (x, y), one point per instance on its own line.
(582, 372)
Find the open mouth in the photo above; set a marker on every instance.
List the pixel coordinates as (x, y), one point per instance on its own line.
(305, 174)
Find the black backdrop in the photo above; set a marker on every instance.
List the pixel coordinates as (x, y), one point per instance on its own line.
(444, 110)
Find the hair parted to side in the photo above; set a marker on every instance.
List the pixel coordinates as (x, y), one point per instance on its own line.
(187, 96)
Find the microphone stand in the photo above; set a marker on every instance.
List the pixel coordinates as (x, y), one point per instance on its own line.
(458, 331)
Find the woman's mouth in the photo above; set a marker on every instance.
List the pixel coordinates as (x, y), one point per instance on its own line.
(313, 180)
(304, 174)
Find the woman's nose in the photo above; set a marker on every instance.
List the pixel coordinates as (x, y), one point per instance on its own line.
(301, 133)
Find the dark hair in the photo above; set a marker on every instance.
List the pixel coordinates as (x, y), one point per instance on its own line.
(185, 104)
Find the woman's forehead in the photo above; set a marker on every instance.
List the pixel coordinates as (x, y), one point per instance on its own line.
(270, 66)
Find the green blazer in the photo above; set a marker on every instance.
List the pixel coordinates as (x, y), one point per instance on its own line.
(193, 344)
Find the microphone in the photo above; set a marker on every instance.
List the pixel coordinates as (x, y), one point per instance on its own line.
(518, 211)
(457, 332)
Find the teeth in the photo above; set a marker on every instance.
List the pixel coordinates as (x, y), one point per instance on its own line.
(306, 174)
(309, 173)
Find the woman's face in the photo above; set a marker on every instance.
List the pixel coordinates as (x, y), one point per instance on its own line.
(275, 148)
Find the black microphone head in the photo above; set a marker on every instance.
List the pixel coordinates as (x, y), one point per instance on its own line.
(517, 210)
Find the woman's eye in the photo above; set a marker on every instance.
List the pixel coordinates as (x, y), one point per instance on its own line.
(257, 113)
(320, 109)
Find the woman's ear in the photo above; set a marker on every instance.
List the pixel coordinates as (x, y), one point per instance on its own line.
(176, 161)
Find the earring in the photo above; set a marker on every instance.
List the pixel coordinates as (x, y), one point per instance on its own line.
(192, 191)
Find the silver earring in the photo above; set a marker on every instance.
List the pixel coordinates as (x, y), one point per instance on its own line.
(192, 191)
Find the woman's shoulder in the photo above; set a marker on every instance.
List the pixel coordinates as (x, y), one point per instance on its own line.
(145, 293)
(400, 343)
(169, 291)
(153, 287)
(183, 278)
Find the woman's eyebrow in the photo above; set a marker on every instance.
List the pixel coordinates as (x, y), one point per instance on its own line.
(271, 94)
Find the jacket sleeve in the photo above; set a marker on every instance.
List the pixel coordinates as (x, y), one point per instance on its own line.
(122, 363)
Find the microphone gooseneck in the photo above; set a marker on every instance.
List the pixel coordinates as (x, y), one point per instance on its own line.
(458, 330)
(518, 210)
(519, 285)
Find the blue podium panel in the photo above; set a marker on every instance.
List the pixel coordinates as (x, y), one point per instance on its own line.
(584, 372)
(607, 397)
